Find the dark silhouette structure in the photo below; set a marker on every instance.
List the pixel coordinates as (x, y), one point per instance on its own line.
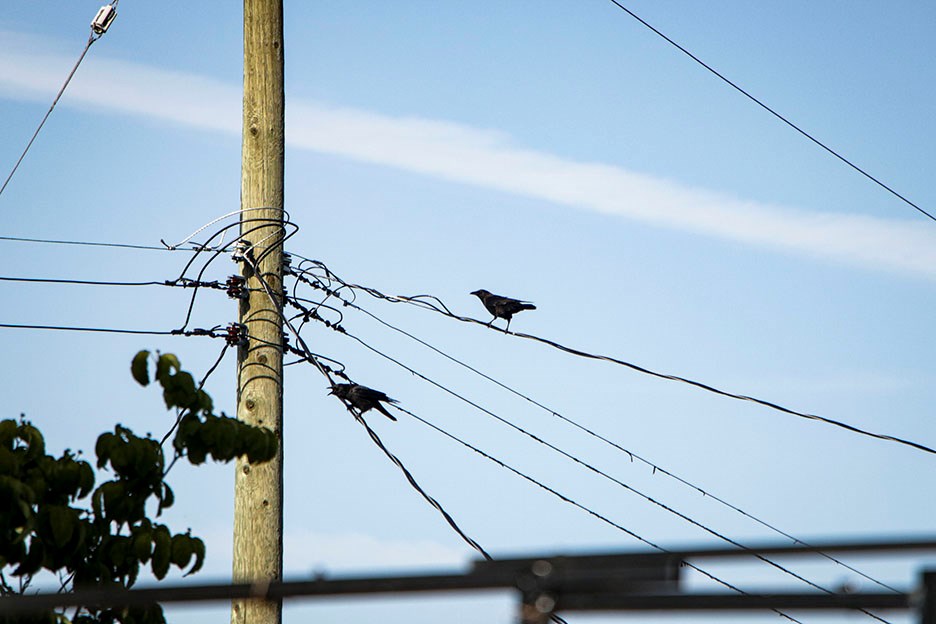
(502, 307)
(363, 398)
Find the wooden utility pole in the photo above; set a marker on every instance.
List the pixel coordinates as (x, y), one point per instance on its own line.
(258, 497)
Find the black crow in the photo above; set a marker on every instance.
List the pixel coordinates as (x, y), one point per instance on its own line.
(363, 398)
(502, 307)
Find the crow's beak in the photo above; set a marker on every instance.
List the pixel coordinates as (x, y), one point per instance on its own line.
(331, 390)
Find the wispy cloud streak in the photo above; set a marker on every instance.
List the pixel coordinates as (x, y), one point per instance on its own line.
(467, 155)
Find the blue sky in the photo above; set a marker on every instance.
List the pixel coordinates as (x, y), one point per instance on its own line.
(553, 151)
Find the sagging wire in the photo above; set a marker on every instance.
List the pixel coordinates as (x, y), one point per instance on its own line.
(220, 243)
(435, 304)
(376, 439)
(578, 505)
(656, 468)
(594, 469)
(415, 485)
(241, 247)
(306, 353)
(339, 328)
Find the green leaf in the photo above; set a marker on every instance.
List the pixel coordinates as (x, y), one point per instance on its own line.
(8, 462)
(142, 546)
(63, 523)
(165, 365)
(122, 457)
(33, 560)
(85, 479)
(115, 500)
(198, 549)
(162, 551)
(204, 402)
(118, 550)
(133, 573)
(181, 550)
(8, 429)
(222, 436)
(97, 504)
(34, 441)
(262, 445)
(104, 448)
(66, 474)
(139, 368)
(167, 498)
(196, 452)
(179, 391)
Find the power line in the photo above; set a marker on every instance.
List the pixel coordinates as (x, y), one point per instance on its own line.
(725, 393)
(242, 249)
(20, 239)
(350, 303)
(324, 369)
(310, 314)
(184, 283)
(98, 28)
(631, 454)
(575, 503)
(213, 333)
(370, 432)
(430, 302)
(415, 485)
(592, 468)
(773, 112)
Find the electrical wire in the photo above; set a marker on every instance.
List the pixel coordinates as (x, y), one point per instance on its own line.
(371, 433)
(656, 468)
(575, 503)
(325, 370)
(773, 112)
(308, 314)
(340, 329)
(218, 219)
(94, 37)
(239, 240)
(426, 496)
(430, 302)
(593, 469)
(412, 481)
(20, 239)
(213, 333)
(176, 284)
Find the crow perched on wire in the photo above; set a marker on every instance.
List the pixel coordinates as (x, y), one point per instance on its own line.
(502, 307)
(363, 398)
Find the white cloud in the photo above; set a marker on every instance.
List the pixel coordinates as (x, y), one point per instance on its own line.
(471, 156)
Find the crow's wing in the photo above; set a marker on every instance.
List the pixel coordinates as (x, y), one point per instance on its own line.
(370, 394)
(506, 305)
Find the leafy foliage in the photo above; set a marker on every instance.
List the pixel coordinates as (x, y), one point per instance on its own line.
(44, 527)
